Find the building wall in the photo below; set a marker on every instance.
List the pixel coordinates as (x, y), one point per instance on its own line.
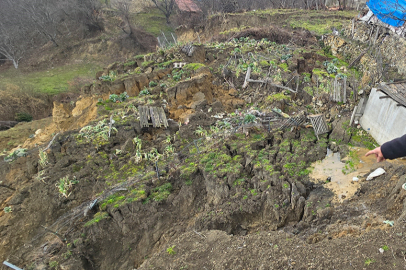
(382, 118)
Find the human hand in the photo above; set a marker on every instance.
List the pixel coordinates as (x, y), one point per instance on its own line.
(378, 154)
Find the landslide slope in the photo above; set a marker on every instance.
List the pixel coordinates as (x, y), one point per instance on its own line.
(219, 188)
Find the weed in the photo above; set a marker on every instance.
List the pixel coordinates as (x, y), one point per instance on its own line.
(97, 217)
(65, 185)
(109, 78)
(138, 143)
(152, 84)
(118, 98)
(201, 132)
(161, 193)
(239, 182)
(130, 63)
(171, 250)
(144, 92)
(96, 133)
(43, 158)
(7, 209)
(53, 264)
(20, 152)
(369, 261)
(249, 118)
(385, 248)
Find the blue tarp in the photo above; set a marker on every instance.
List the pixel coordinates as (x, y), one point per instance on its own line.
(392, 12)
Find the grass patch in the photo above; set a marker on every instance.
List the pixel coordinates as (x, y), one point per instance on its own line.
(50, 81)
(153, 21)
(97, 217)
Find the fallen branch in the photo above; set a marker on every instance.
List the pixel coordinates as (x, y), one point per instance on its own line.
(50, 143)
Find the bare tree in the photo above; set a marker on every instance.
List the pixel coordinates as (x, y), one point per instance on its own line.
(42, 15)
(166, 7)
(123, 8)
(10, 46)
(89, 12)
(15, 37)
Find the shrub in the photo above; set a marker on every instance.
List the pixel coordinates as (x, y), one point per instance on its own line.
(23, 117)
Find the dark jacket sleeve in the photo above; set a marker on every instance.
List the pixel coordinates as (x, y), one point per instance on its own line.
(395, 148)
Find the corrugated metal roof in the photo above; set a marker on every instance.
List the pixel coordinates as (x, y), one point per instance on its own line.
(187, 5)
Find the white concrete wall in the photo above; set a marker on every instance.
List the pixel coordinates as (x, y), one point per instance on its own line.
(383, 118)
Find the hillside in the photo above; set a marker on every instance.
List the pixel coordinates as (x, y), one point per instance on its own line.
(226, 174)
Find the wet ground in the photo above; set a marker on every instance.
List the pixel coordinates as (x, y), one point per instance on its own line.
(340, 178)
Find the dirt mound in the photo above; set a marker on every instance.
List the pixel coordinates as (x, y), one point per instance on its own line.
(274, 34)
(200, 94)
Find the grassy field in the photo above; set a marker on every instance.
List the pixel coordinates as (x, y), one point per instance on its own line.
(51, 81)
(319, 22)
(153, 21)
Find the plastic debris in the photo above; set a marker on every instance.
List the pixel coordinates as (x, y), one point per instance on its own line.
(355, 179)
(381, 250)
(389, 222)
(375, 173)
(404, 186)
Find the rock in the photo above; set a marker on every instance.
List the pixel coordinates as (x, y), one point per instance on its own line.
(217, 107)
(197, 105)
(199, 96)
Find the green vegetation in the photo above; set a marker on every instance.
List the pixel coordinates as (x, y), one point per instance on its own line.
(50, 81)
(277, 97)
(352, 162)
(21, 152)
(161, 193)
(97, 134)
(193, 66)
(153, 21)
(313, 21)
(171, 250)
(43, 158)
(369, 261)
(65, 185)
(7, 209)
(118, 98)
(97, 217)
(144, 92)
(23, 117)
(53, 264)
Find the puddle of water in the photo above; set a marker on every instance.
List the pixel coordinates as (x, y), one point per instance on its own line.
(342, 184)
